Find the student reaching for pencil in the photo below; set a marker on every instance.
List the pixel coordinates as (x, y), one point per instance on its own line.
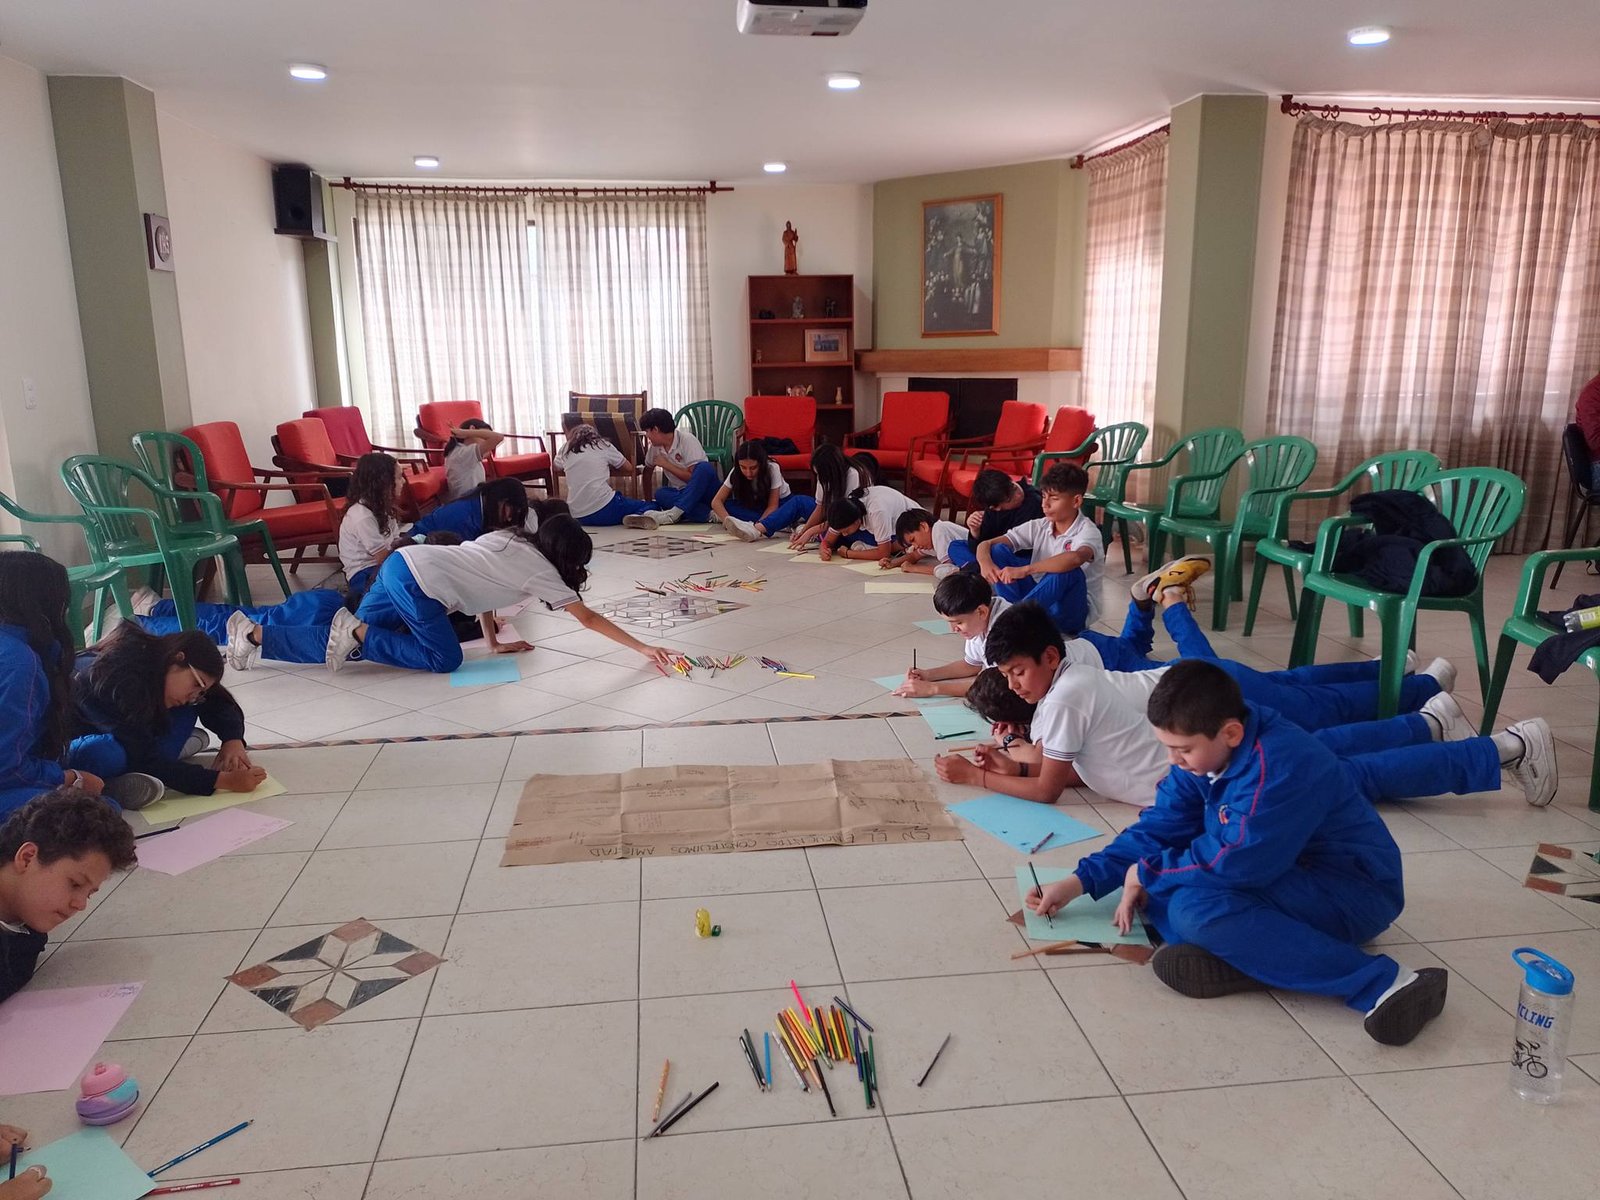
(29, 1184)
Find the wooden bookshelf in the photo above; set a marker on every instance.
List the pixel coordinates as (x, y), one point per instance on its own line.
(777, 344)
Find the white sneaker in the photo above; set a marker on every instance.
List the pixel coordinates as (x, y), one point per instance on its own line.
(1411, 662)
(342, 641)
(1444, 671)
(745, 531)
(145, 601)
(134, 791)
(1452, 722)
(242, 653)
(669, 516)
(1536, 770)
(646, 520)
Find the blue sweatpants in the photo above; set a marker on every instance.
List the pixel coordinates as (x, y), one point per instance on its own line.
(616, 508)
(694, 497)
(406, 627)
(961, 555)
(1129, 650)
(314, 607)
(101, 754)
(463, 517)
(1062, 594)
(792, 511)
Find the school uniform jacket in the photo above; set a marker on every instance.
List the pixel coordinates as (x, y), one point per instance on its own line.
(19, 955)
(1284, 802)
(24, 705)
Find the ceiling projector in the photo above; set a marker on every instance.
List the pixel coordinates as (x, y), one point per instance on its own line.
(800, 18)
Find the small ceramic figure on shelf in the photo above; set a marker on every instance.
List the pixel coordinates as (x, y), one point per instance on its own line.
(838, 395)
(797, 308)
(791, 255)
(830, 307)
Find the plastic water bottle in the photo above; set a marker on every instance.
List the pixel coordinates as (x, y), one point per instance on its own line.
(1580, 619)
(1544, 1013)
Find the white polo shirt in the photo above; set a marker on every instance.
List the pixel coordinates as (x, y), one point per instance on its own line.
(360, 539)
(884, 506)
(463, 470)
(1095, 720)
(775, 479)
(852, 480)
(496, 570)
(974, 654)
(1041, 540)
(684, 452)
(589, 477)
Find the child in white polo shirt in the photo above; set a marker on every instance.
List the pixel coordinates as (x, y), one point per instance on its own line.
(932, 547)
(1055, 561)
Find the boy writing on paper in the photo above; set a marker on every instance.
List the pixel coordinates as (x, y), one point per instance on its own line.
(55, 852)
(1055, 561)
(1261, 864)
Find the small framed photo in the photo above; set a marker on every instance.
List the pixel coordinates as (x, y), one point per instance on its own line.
(827, 345)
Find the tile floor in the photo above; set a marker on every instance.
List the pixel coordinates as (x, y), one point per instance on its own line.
(526, 1064)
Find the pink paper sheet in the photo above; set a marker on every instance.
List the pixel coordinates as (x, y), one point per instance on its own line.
(47, 1038)
(202, 841)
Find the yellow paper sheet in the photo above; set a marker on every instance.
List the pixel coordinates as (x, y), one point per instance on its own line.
(867, 568)
(177, 806)
(901, 587)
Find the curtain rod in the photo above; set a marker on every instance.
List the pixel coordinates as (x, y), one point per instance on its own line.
(709, 188)
(1294, 107)
(1077, 163)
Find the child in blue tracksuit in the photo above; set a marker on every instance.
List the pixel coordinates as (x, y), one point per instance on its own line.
(681, 456)
(755, 501)
(1262, 864)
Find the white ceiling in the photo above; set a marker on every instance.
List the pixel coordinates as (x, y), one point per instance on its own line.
(667, 90)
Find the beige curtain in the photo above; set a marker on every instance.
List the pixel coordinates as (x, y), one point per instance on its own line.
(1440, 291)
(1127, 204)
(623, 298)
(446, 309)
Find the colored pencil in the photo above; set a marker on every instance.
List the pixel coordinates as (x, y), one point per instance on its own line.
(682, 1112)
(766, 1049)
(844, 1036)
(661, 1091)
(16, 1149)
(794, 675)
(939, 737)
(866, 1085)
(861, 1065)
(795, 988)
(674, 1110)
(936, 1055)
(859, 1020)
(827, 1095)
(199, 1185)
(1039, 845)
(1048, 919)
(755, 1061)
(188, 1154)
(794, 1066)
(755, 1071)
(872, 1066)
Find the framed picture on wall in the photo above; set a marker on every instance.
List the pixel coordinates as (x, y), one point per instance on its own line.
(827, 345)
(961, 266)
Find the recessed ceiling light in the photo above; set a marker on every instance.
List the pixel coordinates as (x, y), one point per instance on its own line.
(1368, 35)
(774, 168)
(308, 71)
(426, 161)
(844, 81)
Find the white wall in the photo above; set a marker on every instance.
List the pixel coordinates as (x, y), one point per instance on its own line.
(744, 235)
(241, 287)
(39, 335)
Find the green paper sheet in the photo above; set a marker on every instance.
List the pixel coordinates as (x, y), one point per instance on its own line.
(901, 587)
(938, 626)
(89, 1165)
(889, 682)
(953, 720)
(176, 806)
(1084, 920)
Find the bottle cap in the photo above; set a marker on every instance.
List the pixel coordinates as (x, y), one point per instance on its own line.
(1543, 973)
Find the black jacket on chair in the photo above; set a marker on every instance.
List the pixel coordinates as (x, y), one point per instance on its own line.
(1385, 555)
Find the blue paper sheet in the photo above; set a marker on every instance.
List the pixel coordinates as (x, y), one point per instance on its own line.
(952, 720)
(89, 1165)
(1084, 920)
(889, 682)
(1020, 824)
(480, 672)
(938, 626)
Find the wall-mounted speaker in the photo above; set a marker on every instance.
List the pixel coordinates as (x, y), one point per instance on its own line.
(297, 201)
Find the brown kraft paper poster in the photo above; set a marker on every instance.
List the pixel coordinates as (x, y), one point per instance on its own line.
(673, 811)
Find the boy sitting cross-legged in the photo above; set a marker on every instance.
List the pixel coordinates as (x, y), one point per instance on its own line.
(1260, 865)
(1055, 561)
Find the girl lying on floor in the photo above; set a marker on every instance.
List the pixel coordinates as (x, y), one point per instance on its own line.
(404, 619)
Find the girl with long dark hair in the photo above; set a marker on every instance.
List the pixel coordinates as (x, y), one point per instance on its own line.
(755, 501)
(139, 699)
(589, 461)
(404, 621)
(35, 680)
(370, 528)
(837, 476)
(862, 524)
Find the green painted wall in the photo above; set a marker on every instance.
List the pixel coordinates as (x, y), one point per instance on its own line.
(110, 162)
(1041, 255)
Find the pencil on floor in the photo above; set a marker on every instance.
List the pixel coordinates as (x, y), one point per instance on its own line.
(661, 1091)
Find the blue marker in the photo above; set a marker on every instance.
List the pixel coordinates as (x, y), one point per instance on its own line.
(766, 1046)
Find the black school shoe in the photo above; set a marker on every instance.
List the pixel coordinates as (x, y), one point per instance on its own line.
(1401, 1017)
(1192, 971)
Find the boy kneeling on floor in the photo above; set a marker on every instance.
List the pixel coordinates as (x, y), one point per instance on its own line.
(1261, 864)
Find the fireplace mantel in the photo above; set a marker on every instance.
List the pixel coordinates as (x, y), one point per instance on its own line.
(985, 360)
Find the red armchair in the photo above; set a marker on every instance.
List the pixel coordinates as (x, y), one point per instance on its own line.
(910, 420)
(347, 432)
(434, 422)
(304, 452)
(1019, 434)
(243, 489)
(792, 417)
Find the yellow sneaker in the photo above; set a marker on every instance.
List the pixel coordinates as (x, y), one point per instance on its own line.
(1181, 572)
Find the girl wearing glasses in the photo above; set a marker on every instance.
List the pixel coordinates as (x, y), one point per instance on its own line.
(141, 701)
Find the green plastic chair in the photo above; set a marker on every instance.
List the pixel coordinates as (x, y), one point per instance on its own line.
(91, 580)
(1525, 626)
(134, 535)
(175, 462)
(1116, 448)
(1274, 467)
(1394, 469)
(1210, 455)
(716, 424)
(1482, 503)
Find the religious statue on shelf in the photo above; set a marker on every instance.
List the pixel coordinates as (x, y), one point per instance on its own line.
(797, 308)
(798, 390)
(791, 254)
(830, 307)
